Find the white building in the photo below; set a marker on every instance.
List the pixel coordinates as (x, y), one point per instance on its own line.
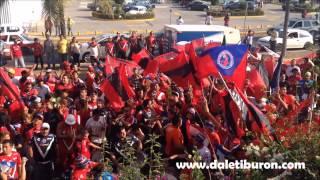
(21, 12)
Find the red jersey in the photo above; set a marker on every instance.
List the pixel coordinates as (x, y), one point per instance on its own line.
(83, 145)
(123, 44)
(37, 49)
(110, 48)
(16, 50)
(151, 41)
(32, 92)
(11, 162)
(65, 87)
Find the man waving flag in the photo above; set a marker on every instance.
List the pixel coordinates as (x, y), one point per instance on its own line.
(230, 61)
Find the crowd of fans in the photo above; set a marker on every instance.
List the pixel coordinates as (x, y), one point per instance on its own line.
(66, 120)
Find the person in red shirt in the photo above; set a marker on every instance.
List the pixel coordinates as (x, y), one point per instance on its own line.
(226, 20)
(28, 92)
(174, 138)
(66, 134)
(10, 162)
(37, 53)
(151, 43)
(123, 48)
(293, 81)
(65, 85)
(133, 42)
(110, 47)
(82, 167)
(284, 102)
(16, 54)
(83, 144)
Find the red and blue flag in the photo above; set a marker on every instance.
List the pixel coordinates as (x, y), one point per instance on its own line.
(230, 61)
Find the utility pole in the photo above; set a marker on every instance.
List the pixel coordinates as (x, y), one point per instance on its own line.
(285, 29)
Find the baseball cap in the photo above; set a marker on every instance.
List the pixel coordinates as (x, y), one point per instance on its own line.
(45, 125)
(11, 71)
(37, 100)
(70, 120)
(81, 162)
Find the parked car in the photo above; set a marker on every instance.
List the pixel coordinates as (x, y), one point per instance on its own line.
(9, 39)
(101, 40)
(146, 4)
(240, 5)
(198, 6)
(311, 25)
(127, 7)
(137, 10)
(11, 29)
(6, 50)
(297, 38)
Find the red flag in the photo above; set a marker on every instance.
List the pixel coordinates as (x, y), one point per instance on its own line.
(230, 61)
(270, 64)
(125, 82)
(179, 70)
(111, 63)
(112, 95)
(136, 57)
(257, 85)
(145, 61)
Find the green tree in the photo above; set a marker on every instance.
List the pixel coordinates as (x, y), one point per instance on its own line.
(106, 8)
(55, 10)
(119, 2)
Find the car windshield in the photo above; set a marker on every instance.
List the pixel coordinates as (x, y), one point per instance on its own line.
(291, 23)
(26, 37)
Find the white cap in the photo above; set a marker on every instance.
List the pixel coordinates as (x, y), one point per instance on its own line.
(70, 120)
(37, 100)
(45, 125)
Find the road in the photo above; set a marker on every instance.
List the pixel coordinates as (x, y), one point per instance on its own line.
(84, 22)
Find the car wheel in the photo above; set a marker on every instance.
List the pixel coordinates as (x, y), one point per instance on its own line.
(279, 47)
(205, 9)
(189, 8)
(86, 57)
(308, 46)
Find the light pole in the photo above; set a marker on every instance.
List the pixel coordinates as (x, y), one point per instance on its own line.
(245, 17)
(170, 14)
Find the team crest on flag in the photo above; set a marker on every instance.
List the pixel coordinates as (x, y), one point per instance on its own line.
(229, 60)
(225, 59)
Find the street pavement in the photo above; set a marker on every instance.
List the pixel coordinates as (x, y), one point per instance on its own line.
(85, 23)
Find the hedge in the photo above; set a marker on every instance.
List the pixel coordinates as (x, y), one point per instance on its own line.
(148, 15)
(257, 12)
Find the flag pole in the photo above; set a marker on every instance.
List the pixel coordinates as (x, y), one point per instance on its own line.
(312, 101)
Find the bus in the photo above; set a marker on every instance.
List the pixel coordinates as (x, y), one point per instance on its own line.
(182, 34)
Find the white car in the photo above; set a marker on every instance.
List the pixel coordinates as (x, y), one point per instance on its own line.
(137, 10)
(9, 38)
(296, 39)
(101, 40)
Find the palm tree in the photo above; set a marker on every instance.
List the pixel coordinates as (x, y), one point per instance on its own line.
(54, 9)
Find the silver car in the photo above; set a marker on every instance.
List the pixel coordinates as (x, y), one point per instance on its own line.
(311, 25)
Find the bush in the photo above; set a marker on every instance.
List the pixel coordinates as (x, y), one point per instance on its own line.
(148, 15)
(99, 15)
(257, 12)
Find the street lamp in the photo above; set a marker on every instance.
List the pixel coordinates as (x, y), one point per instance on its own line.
(245, 17)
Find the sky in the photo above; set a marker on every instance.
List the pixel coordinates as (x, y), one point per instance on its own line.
(26, 11)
